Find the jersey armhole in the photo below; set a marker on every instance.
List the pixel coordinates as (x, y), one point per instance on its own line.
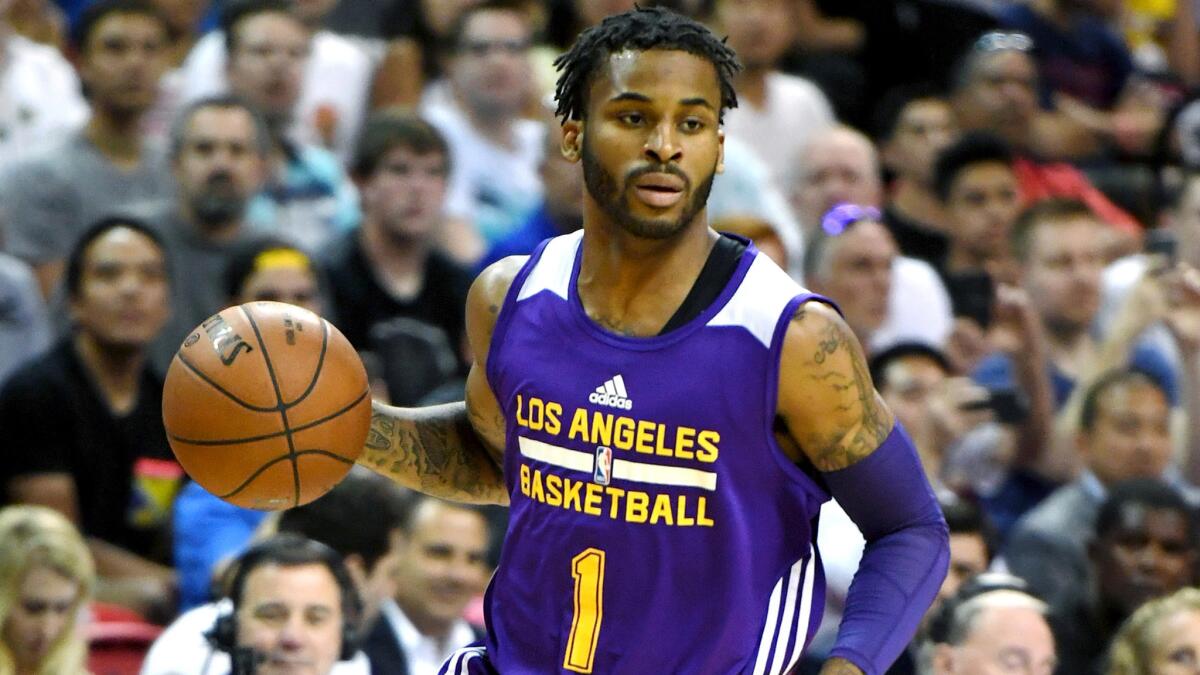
(504, 318)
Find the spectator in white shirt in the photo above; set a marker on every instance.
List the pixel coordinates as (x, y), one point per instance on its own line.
(40, 97)
(369, 549)
(495, 153)
(336, 82)
(308, 197)
(777, 113)
(442, 566)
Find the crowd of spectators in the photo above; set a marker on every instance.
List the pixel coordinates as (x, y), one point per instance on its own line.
(1002, 196)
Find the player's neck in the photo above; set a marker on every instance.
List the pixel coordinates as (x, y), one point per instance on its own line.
(917, 202)
(634, 285)
(117, 372)
(116, 136)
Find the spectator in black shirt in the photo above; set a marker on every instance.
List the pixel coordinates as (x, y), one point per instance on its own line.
(83, 423)
(915, 125)
(389, 268)
(977, 183)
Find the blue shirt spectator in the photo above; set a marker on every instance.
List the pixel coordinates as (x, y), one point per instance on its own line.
(996, 372)
(207, 530)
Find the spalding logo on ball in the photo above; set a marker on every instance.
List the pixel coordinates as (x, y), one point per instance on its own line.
(266, 405)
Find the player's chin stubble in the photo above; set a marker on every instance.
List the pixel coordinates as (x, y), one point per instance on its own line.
(613, 200)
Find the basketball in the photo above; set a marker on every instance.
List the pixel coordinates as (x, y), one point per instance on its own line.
(266, 405)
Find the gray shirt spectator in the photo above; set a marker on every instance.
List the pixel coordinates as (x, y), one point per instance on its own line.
(50, 198)
(195, 257)
(24, 331)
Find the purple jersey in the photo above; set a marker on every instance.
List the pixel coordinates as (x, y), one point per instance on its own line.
(656, 527)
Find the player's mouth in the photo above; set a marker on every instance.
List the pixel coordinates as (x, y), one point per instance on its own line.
(660, 190)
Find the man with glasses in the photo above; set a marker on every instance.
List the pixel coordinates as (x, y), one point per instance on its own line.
(494, 154)
(307, 197)
(333, 92)
(996, 90)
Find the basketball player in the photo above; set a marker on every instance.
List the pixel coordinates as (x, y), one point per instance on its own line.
(730, 401)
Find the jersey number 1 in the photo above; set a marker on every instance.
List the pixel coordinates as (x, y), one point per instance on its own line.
(588, 570)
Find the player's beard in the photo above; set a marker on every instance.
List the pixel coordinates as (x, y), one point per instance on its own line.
(613, 198)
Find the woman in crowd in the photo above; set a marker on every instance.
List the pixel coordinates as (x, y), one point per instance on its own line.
(46, 577)
(273, 269)
(1161, 638)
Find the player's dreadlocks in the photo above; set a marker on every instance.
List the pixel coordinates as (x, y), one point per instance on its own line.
(641, 30)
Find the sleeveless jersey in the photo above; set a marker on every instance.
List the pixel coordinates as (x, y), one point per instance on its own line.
(655, 525)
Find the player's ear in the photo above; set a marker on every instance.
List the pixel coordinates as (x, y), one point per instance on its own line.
(721, 151)
(572, 140)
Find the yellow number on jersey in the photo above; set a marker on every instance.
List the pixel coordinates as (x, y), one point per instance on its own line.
(588, 570)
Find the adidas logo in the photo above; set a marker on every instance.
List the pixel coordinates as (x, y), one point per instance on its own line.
(612, 394)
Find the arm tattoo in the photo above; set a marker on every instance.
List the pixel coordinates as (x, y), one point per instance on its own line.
(433, 450)
(838, 368)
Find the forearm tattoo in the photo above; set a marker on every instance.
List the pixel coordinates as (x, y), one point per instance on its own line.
(434, 450)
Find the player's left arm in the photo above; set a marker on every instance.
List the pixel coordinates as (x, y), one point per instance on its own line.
(837, 420)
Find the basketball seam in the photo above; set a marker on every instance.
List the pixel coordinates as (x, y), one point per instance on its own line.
(280, 405)
(264, 467)
(320, 363)
(204, 378)
(275, 434)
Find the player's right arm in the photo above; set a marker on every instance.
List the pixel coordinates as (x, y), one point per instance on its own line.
(454, 451)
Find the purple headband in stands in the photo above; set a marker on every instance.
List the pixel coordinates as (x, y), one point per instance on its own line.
(844, 215)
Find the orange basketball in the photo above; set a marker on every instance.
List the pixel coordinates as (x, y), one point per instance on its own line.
(266, 405)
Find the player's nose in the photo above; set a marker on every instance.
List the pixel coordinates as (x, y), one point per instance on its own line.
(662, 145)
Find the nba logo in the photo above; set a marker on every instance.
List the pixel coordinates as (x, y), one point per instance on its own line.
(602, 471)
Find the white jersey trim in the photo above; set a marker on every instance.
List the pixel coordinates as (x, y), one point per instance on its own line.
(797, 608)
(552, 271)
(759, 300)
(623, 469)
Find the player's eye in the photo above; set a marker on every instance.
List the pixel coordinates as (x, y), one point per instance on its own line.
(632, 119)
(692, 124)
